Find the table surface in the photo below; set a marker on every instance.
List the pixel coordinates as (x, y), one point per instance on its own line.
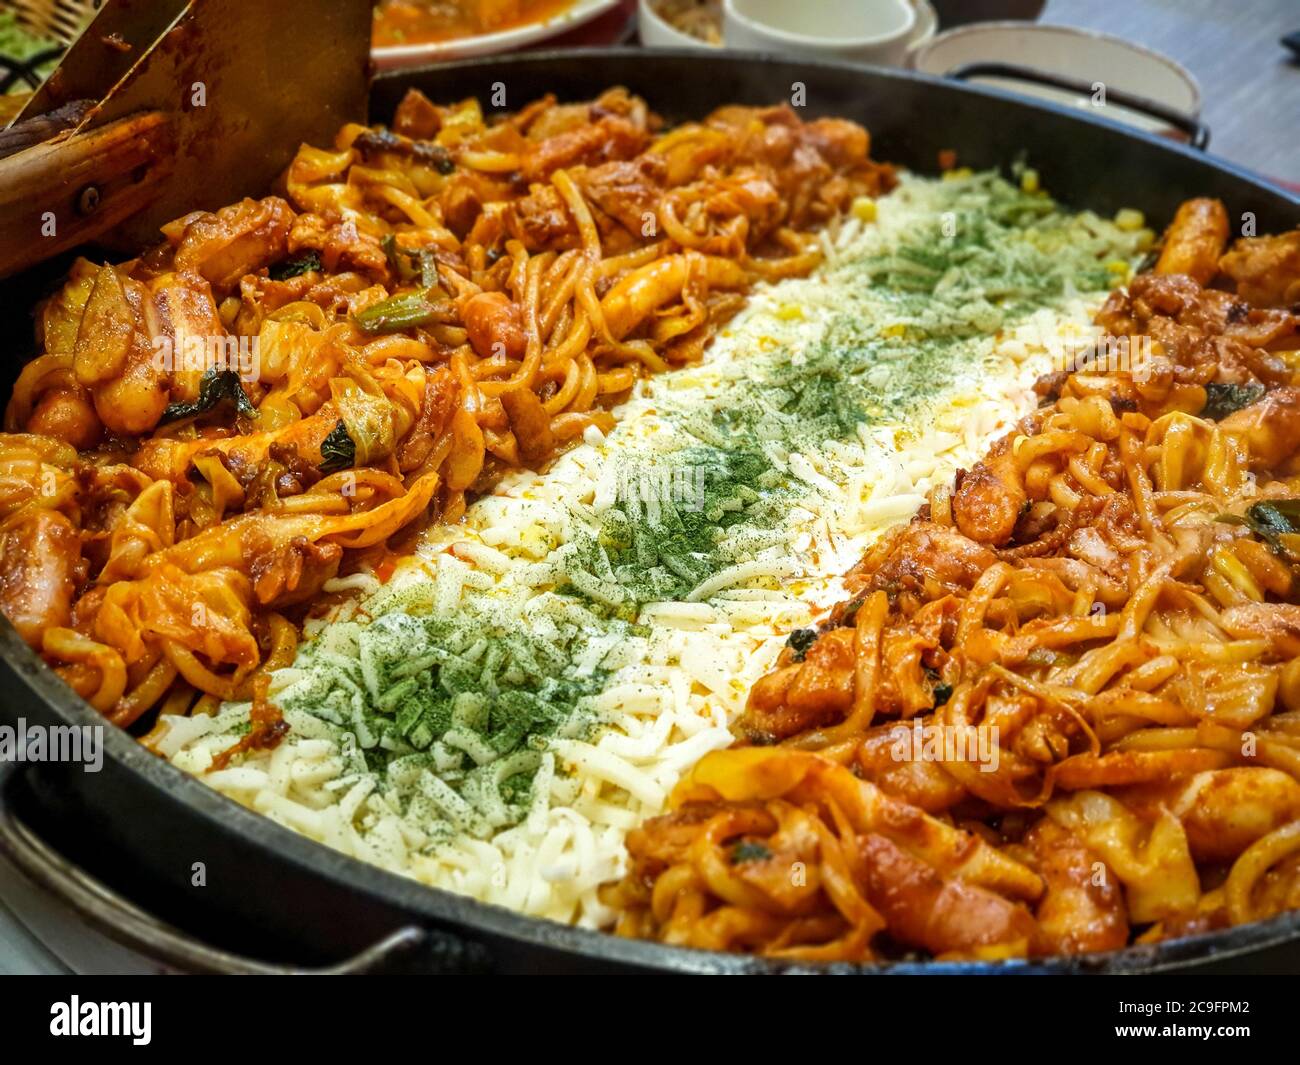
(1250, 83)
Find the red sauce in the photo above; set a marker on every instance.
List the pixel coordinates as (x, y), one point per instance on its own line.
(399, 22)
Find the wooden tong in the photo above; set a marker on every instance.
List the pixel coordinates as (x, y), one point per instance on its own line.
(166, 106)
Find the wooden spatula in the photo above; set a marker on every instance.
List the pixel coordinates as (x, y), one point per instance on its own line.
(174, 106)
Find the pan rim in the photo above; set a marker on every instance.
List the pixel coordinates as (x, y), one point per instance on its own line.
(463, 916)
(843, 66)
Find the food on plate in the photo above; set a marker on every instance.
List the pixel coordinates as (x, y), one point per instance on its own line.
(399, 22)
(1059, 710)
(699, 18)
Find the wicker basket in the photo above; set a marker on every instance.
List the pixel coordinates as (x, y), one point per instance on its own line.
(57, 21)
(60, 20)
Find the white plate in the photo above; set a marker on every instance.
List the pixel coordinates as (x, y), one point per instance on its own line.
(406, 55)
(655, 32)
(1084, 55)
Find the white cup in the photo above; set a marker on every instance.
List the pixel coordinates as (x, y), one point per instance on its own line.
(871, 31)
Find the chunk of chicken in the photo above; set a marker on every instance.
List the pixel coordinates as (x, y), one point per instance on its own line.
(1269, 428)
(494, 325)
(1279, 623)
(43, 566)
(67, 414)
(1194, 240)
(927, 559)
(916, 781)
(814, 692)
(114, 358)
(235, 241)
(1266, 269)
(1083, 906)
(292, 572)
(927, 910)
(1224, 811)
(181, 318)
(990, 499)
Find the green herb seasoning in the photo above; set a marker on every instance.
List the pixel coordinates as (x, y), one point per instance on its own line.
(451, 711)
(915, 318)
(455, 710)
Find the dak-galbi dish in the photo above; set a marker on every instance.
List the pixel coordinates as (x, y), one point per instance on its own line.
(704, 533)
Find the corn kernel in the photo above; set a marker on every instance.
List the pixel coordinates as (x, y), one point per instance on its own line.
(894, 330)
(1118, 267)
(790, 312)
(1029, 181)
(1127, 220)
(864, 209)
(958, 174)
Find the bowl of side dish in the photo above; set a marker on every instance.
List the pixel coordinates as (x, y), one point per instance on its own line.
(703, 24)
(680, 23)
(409, 32)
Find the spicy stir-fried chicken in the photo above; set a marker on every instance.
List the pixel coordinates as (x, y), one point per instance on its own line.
(1060, 711)
(215, 429)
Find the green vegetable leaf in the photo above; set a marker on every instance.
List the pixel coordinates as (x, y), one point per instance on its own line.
(850, 615)
(1274, 519)
(406, 311)
(408, 265)
(1270, 520)
(1276, 515)
(399, 259)
(301, 264)
(338, 451)
(1224, 399)
(800, 641)
(215, 387)
(749, 850)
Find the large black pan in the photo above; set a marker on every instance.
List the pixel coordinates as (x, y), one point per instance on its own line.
(140, 825)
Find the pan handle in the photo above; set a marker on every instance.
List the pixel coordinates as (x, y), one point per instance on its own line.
(408, 949)
(1196, 131)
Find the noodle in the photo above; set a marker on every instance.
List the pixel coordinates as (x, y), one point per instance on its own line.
(1084, 650)
(218, 428)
